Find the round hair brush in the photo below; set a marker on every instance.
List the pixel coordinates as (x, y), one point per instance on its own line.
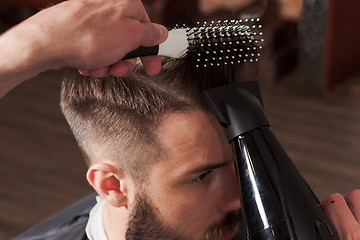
(211, 44)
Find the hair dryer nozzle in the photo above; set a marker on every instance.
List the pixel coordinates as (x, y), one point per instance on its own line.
(277, 203)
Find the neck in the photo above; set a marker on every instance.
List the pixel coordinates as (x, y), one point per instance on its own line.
(115, 220)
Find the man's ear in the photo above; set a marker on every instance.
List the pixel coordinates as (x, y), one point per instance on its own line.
(110, 182)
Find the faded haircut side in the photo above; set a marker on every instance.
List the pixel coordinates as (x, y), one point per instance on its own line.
(117, 118)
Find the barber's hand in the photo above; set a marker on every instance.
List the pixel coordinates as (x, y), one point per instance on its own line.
(344, 211)
(93, 35)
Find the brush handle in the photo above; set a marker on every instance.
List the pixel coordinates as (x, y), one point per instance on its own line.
(142, 51)
(174, 46)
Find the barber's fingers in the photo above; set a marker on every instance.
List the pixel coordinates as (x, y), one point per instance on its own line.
(122, 68)
(138, 29)
(342, 217)
(338, 210)
(152, 34)
(353, 201)
(152, 64)
(136, 10)
(98, 72)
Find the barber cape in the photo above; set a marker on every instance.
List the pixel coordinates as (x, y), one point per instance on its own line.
(68, 224)
(81, 221)
(73, 229)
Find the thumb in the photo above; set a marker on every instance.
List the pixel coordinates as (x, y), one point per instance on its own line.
(153, 34)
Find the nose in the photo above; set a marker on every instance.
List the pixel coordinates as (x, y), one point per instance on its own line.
(231, 197)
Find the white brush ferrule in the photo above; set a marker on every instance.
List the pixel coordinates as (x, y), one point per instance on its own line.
(176, 44)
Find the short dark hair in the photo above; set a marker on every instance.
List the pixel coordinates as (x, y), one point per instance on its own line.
(117, 118)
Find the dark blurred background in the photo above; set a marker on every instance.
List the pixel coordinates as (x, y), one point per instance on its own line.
(310, 77)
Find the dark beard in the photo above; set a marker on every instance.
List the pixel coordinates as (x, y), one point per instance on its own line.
(145, 225)
(228, 223)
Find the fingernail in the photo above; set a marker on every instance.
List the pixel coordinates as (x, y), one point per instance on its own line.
(84, 72)
(163, 32)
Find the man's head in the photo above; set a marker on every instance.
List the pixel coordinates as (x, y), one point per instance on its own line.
(153, 147)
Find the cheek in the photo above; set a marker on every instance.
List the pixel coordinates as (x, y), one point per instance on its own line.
(192, 215)
(190, 211)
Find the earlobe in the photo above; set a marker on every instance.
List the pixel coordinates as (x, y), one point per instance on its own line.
(109, 182)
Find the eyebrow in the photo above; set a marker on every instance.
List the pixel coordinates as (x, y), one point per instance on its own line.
(207, 167)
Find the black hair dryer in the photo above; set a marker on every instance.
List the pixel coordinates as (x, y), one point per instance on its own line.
(277, 203)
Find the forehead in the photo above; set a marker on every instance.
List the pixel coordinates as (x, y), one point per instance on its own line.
(191, 139)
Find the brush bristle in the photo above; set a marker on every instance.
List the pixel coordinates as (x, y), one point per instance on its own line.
(225, 42)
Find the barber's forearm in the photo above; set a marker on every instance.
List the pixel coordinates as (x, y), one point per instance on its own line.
(19, 56)
(38, 44)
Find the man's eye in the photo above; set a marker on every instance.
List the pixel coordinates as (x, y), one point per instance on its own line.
(200, 178)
